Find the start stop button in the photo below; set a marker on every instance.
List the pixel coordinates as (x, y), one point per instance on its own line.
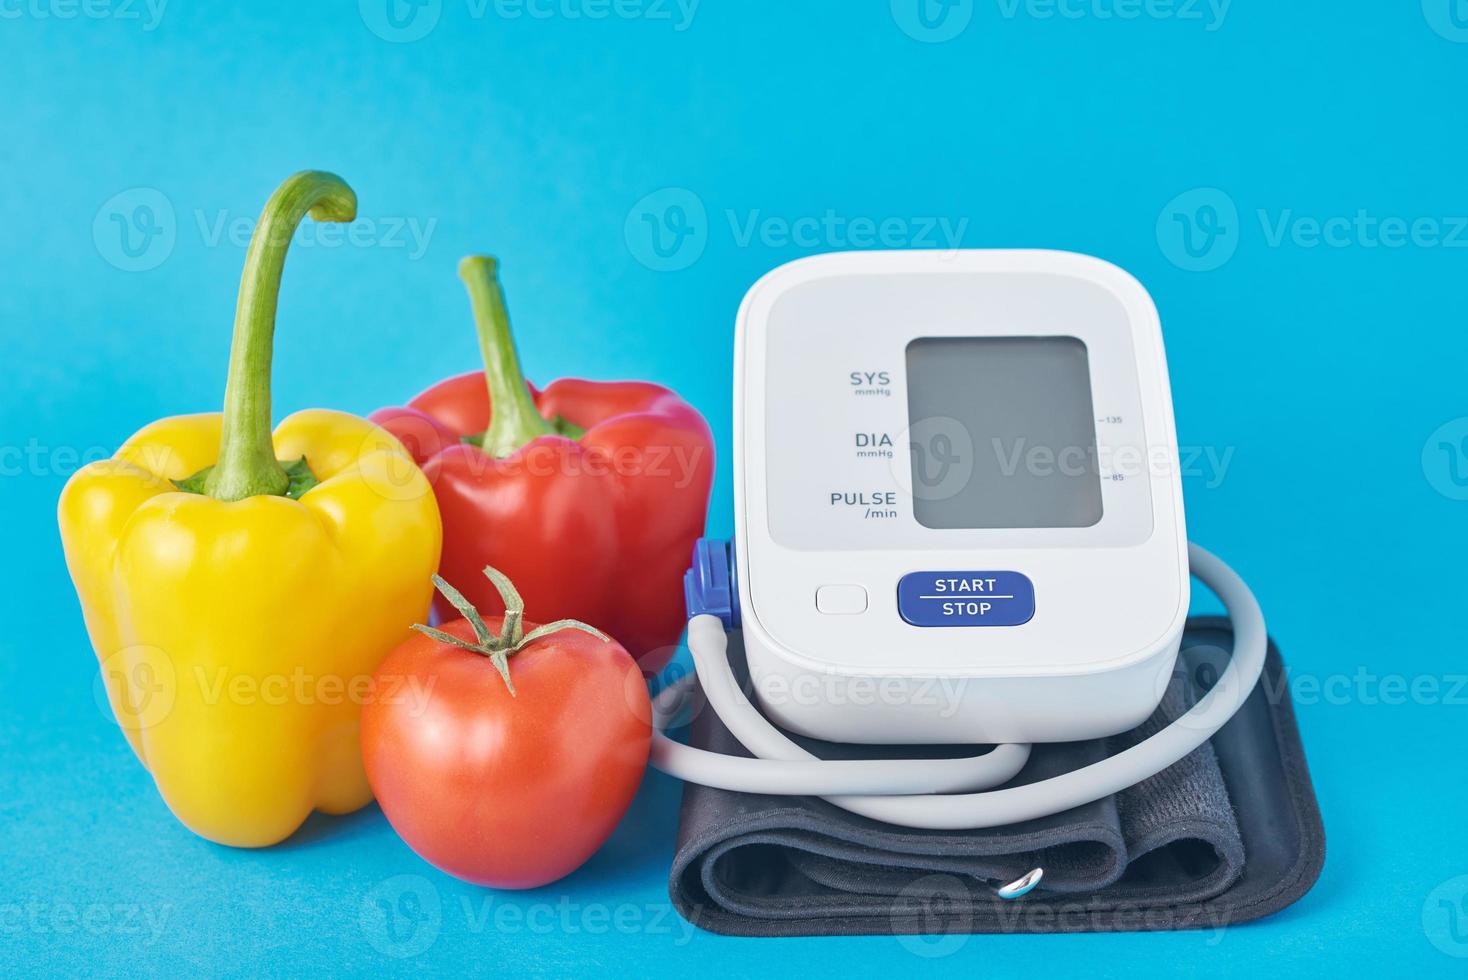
(966, 598)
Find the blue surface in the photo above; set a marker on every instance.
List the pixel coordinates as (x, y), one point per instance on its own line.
(1286, 180)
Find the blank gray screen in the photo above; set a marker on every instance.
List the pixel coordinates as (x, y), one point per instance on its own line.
(1003, 432)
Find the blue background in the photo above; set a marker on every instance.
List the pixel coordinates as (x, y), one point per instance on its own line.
(1325, 369)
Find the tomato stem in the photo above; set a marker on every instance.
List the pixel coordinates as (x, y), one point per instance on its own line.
(512, 637)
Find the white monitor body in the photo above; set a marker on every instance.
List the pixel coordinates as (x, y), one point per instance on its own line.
(1027, 579)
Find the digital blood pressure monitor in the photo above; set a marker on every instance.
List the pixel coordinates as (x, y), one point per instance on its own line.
(958, 520)
(958, 511)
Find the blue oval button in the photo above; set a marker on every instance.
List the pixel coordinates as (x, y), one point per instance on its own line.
(966, 598)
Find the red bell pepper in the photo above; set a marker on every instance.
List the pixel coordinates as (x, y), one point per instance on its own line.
(589, 495)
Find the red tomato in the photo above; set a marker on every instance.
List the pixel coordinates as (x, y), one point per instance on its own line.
(512, 791)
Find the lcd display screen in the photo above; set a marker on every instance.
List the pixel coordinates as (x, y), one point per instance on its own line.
(1002, 433)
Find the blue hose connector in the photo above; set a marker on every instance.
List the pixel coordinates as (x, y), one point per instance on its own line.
(711, 586)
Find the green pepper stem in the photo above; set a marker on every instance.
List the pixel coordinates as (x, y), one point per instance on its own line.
(513, 418)
(247, 466)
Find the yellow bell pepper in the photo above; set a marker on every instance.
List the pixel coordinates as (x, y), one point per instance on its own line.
(240, 587)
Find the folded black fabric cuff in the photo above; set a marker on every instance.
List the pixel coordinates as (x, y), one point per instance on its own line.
(1229, 834)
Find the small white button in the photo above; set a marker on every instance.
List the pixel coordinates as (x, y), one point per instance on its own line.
(841, 600)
